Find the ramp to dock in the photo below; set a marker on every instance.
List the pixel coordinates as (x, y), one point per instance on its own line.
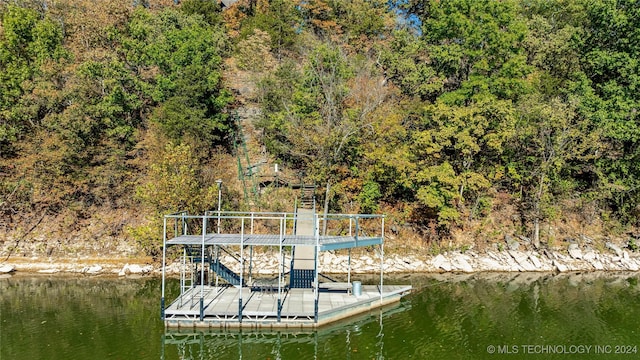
(304, 257)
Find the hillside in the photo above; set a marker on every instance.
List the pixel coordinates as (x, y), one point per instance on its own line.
(469, 123)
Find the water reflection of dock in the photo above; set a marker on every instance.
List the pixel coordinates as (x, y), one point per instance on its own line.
(227, 343)
(215, 294)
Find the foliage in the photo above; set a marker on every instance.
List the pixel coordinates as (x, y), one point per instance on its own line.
(254, 53)
(429, 109)
(187, 54)
(81, 85)
(173, 183)
(27, 44)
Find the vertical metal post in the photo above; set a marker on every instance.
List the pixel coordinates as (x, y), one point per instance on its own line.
(183, 273)
(357, 230)
(164, 262)
(250, 264)
(381, 259)
(283, 224)
(241, 270)
(204, 233)
(315, 280)
(217, 252)
(251, 252)
(184, 223)
(349, 268)
(349, 258)
(219, 182)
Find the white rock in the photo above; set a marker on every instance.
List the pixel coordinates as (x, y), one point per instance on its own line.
(441, 262)
(590, 256)
(490, 264)
(574, 251)
(49, 271)
(597, 265)
(522, 260)
(460, 263)
(630, 265)
(535, 261)
(136, 269)
(5, 269)
(615, 248)
(91, 269)
(560, 266)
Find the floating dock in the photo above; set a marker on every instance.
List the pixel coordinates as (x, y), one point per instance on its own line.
(189, 342)
(218, 287)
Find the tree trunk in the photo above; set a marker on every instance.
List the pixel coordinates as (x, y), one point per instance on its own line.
(537, 214)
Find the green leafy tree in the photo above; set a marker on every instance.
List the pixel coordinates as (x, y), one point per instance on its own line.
(172, 183)
(209, 10)
(27, 44)
(316, 120)
(458, 150)
(609, 54)
(466, 67)
(186, 55)
(554, 144)
(281, 19)
(464, 47)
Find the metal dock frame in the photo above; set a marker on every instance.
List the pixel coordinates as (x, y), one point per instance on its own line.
(192, 230)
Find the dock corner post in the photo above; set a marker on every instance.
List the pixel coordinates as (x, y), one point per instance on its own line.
(164, 261)
(201, 309)
(315, 310)
(240, 310)
(279, 309)
(381, 258)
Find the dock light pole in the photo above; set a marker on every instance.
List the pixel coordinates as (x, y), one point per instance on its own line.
(219, 182)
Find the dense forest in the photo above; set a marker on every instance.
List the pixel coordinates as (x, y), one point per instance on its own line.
(462, 120)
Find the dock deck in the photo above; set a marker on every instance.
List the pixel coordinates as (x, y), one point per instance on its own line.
(259, 308)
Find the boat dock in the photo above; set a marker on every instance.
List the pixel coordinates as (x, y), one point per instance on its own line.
(218, 287)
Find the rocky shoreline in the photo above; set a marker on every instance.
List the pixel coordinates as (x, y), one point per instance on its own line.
(512, 259)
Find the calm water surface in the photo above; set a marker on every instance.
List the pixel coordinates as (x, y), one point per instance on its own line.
(482, 316)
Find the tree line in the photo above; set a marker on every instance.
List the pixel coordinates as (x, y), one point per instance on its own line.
(437, 113)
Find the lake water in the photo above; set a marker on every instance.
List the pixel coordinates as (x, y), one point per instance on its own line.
(480, 316)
